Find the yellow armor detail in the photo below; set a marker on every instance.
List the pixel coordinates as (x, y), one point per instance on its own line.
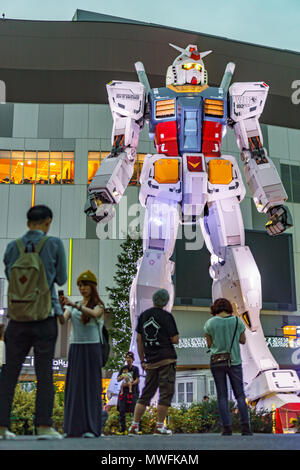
(219, 171)
(166, 170)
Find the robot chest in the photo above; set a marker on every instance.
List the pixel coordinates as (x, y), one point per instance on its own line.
(188, 124)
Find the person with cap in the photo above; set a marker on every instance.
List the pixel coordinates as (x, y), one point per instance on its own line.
(83, 405)
(126, 400)
(156, 335)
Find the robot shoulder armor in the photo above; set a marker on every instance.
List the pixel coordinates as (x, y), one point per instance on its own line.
(126, 98)
(247, 99)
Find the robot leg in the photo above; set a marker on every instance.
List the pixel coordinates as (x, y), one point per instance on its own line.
(154, 268)
(236, 277)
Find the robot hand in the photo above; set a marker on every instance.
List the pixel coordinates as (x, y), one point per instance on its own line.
(279, 220)
(97, 210)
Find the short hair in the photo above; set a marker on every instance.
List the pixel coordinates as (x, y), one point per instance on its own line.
(130, 354)
(39, 213)
(160, 298)
(221, 305)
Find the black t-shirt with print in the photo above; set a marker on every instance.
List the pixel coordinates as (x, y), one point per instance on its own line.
(156, 327)
(134, 371)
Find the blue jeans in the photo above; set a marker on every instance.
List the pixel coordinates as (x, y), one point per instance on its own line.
(235, 374)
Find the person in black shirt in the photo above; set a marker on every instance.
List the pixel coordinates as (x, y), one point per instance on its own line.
(156, 335)
(127, 399)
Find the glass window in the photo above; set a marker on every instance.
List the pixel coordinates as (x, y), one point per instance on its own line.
(68, 168)
(29, 168)
(17, 163)
(55, 167)
(189, 392)
(141, 158)
(180, 393)
(4, 166)
(42, 168)
(93, 164)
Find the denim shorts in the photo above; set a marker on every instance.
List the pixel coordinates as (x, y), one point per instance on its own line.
(163, 378)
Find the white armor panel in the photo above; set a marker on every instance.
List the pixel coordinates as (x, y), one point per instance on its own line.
(265, 184)
(235, 188)
(247, 99)
(126, 99)
(151, 187)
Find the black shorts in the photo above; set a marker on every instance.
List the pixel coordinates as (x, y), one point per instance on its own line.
(163, 378)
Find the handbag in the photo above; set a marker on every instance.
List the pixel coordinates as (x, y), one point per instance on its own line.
(223, 359)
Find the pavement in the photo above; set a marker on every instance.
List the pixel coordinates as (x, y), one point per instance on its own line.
(140, 444)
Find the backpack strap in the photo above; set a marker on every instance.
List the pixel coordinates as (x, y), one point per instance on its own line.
(20, 245)
(41, 244)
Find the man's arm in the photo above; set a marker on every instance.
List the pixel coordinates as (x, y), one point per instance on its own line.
(208, 340)
(140, 347)
(243, 338)
(175, 339)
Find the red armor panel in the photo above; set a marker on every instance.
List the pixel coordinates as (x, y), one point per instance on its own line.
(166, 138)
(211, 138)
(194, 163)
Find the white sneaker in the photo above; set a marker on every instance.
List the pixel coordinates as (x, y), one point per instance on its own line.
(88, 434)
(6, 434)
(48, 433)
(162, 431)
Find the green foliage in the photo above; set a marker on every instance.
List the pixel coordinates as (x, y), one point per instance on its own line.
(261, 421)
(120, 331)
(198, 418)
(23, 410)
(148, 421)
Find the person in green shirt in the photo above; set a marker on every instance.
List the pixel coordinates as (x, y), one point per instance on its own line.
(219, 333)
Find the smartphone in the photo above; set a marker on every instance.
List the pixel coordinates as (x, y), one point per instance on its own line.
(61, 292)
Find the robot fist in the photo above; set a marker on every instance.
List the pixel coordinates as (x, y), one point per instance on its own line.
(279, 220)
(98, 210)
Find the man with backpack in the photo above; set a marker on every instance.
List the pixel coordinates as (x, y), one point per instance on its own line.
(33, 264)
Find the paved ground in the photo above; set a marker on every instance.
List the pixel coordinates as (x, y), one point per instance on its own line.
(177, 442)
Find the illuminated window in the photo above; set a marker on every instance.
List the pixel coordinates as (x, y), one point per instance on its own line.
(16, 169)
(40, 167)
(55, 167)
(68, 168)
(4, 166)
(29, 168)
(93, 164)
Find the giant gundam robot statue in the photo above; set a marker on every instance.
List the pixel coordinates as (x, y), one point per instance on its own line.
(188, 180)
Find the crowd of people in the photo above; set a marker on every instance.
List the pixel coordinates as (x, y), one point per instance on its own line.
(35, 260)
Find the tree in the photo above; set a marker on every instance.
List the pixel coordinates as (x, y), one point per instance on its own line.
(120, 331)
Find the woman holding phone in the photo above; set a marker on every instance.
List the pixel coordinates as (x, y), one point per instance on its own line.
(83, 406)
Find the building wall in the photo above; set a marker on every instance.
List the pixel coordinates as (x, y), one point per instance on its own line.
(84, 127)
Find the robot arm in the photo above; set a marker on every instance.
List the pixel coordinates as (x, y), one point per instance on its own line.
(127, 103)
(247, 101)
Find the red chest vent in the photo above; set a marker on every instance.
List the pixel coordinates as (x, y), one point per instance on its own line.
(166, 138)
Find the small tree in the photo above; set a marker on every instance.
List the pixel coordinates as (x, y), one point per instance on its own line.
(120, 331)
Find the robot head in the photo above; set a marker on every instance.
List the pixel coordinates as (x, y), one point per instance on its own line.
(188, 67)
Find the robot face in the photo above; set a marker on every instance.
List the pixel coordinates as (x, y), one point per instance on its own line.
(188, 67)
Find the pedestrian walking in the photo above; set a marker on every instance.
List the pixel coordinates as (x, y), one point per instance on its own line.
(156, 335)
(83, 403)
(33, 264)
(127, 399)
(224, 333)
